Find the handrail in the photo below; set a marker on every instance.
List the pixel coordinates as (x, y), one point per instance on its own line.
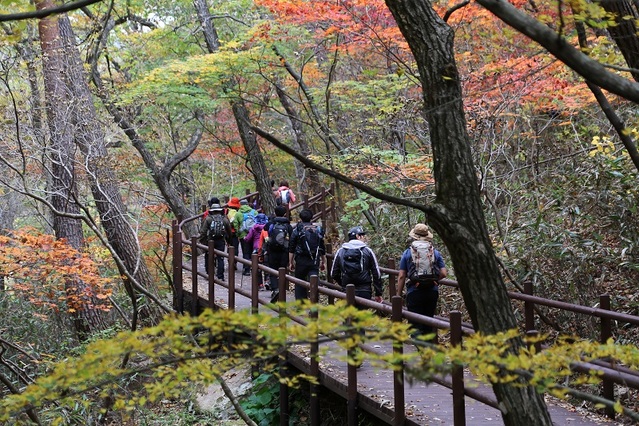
(609, 371)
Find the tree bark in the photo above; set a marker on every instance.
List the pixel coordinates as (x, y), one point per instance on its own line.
(457, 215)
(624, 33)
(67, 226)
(242, 118)
(89, 137)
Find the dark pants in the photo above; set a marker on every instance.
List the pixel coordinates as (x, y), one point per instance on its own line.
(276, 260)
(305, 267)
(218, 244)
(247, 251)
(235, 242)
(422, 301)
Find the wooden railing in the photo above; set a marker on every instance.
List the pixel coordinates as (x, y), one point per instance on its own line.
(610, 373)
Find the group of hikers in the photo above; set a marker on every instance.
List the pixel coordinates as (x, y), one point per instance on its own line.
(300, 248)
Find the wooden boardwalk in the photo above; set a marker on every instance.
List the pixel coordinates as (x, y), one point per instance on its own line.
(426, 403)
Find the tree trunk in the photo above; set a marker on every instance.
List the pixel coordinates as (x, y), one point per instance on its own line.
(459, 217)
(624, 32)
(104, 186)
(61, 154)
(309, 178)
(242, 119)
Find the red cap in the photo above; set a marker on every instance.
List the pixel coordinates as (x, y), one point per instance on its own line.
(234, 203)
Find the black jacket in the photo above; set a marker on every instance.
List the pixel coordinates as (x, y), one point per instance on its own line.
(369, 273)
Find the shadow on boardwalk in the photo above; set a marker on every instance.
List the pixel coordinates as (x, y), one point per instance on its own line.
(425, 403)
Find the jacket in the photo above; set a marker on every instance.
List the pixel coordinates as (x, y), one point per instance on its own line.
(253, 237)
(239, 218)
(296, 245)
(370, 268)
(206, 224)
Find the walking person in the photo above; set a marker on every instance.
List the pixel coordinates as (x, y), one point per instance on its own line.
(285, 196)
(243, 221)
(276, 243)
(253, 239)
(420, 267)
(215, 227)
(307, 254)
(356, 263)
(232, 208)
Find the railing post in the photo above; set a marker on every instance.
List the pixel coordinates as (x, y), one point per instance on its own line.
(532, 334)
(231, 301)
(606, 333)
(529, 307)
(255, 288)
(392, 280)
(283, 360)
(398, 371)
(329, 267)
(314, 363)
(177, 268)
(211, 273)
(194, 287)
(459, 405)
(351, 392)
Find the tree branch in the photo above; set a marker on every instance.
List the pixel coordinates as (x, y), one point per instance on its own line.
(39, 14)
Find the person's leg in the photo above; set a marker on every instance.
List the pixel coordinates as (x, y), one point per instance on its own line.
(302, 269)
(235, 242)
(220, 245)
(422, 302)
(247, 250)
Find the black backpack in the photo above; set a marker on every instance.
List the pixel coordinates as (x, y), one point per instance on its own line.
(352, 264)
(216, 228)
(278, 235)
(310, 238)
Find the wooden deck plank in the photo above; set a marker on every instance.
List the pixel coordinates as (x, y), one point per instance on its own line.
(426, 403)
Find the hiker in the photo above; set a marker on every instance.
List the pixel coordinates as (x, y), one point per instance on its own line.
(355, 263)
(419, 268)
(253, 239)
(243, 221)
(232, 208)
(275, 244)
(285, 195)
(217, 228)
(306, 250)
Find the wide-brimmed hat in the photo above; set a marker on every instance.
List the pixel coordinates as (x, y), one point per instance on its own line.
(234, 203)
(421, 232)
(215, 207)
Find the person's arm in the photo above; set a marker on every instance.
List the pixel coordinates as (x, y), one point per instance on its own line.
(336, 272)
(227, 228)
(292, 243)
(401, 280)
(204, 231)
(439, 260)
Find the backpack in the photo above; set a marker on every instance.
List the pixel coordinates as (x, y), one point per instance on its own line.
(352, 264)
(422, 267)
(247, 222)
(278, 236)
(283, 196)
(216, 228)
(310, 238)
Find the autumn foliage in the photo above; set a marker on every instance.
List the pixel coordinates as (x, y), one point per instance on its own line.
(35, 266)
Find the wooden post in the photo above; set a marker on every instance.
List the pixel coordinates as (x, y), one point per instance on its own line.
(211, 274)
(398, 372)
(194, 288)
(529, 307)
(177, 268)
(231, 301)
(351, 392)
(314, 353)
(459, 405)
(606, 333)
(255, 288)
(392, 280)
(283, 361)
